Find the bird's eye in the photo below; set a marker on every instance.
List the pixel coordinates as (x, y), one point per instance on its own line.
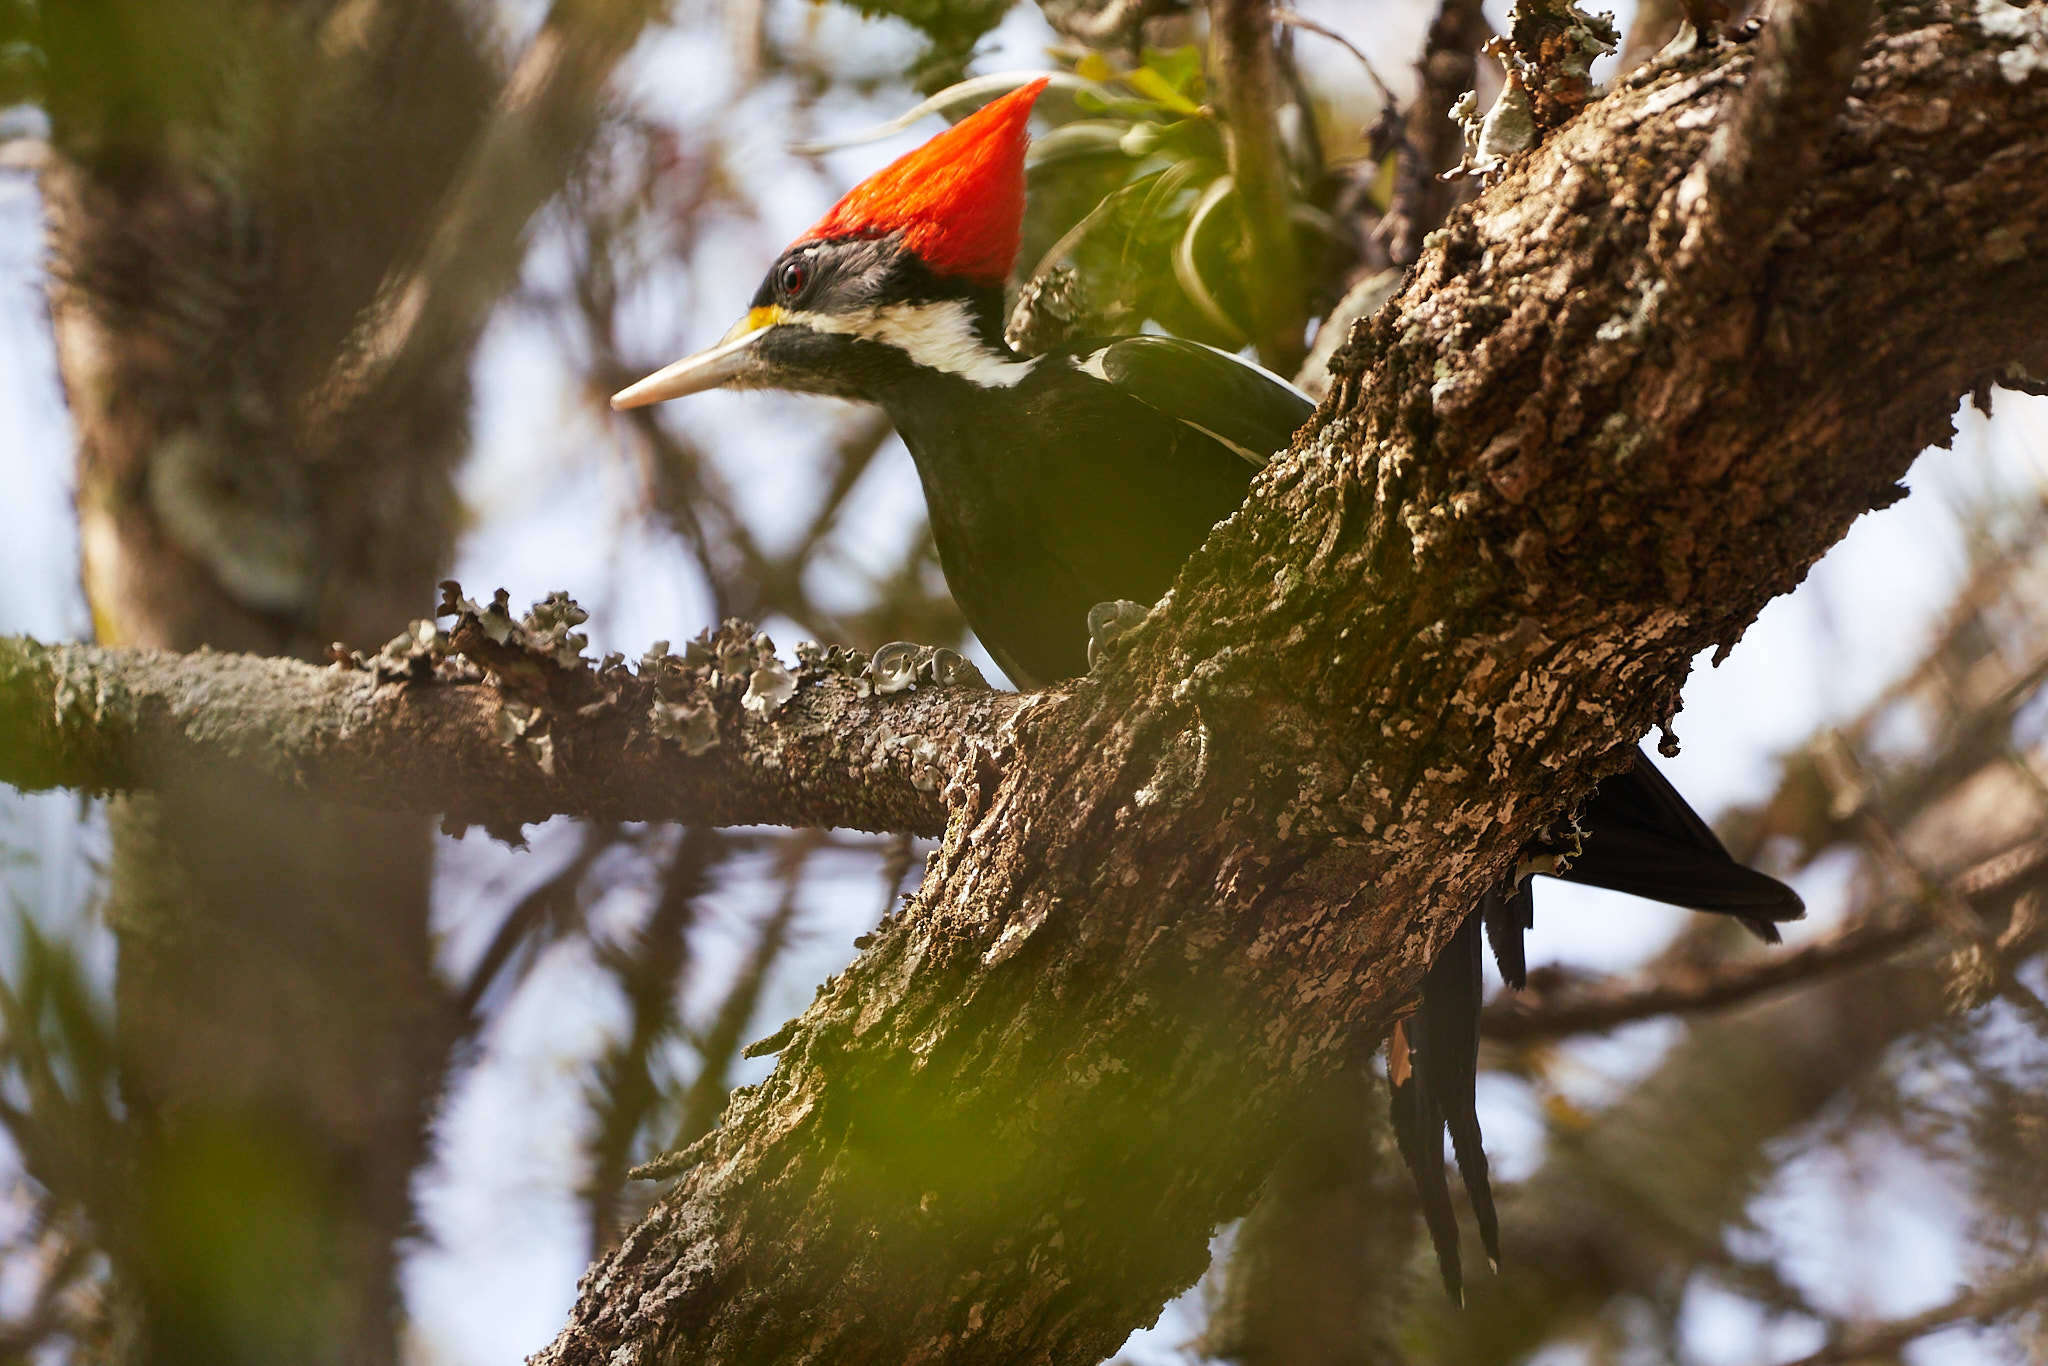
(791, 277)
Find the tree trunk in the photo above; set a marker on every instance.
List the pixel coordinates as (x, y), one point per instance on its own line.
(233, 183)
(1625, 399)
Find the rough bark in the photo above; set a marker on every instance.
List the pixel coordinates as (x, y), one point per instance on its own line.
(606, 744)
(1545, 478)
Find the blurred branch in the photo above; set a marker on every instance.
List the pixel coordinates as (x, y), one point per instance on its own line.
(1655, 23)
(650, 971)
(2016, 1291)
(1318, 1270)
(551, 902)
(673, 741)
(1547, 1012)
(1946, 908)
(1430, 142)
(1632, 1200)
(1112, 25)
(720, 1046)
(1249, 82)
(473, 250)
(896, 860)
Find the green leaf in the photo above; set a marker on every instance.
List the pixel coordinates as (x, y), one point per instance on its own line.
(1150, 83)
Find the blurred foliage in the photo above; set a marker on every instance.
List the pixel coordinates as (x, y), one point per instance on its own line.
(1132, 218)
(952, 28)
(61, 1108)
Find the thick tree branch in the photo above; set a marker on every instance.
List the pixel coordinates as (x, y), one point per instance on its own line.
(1194, 880)
(673, 740)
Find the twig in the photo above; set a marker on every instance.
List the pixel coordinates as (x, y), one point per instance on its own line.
(1884, 930)
(1248, 77)
(1291, 19)
(2013, 1292)
(1766, 151)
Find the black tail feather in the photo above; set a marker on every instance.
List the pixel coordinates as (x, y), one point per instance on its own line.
(1447, 1039)
(1508, 911)
(1419, 1133)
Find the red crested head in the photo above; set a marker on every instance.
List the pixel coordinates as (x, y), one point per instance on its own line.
(958, 201)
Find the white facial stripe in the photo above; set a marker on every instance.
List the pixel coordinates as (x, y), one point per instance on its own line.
(939, 336)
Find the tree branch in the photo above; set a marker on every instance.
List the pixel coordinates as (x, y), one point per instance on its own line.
(1764, 156)
(2017, 1290)
(1430, 141)
(549, 107)
(1248, 77)
(423, 730)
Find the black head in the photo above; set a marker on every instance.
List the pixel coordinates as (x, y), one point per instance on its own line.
(853, 318)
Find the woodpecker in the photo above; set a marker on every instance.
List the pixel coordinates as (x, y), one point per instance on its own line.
(1086, 476)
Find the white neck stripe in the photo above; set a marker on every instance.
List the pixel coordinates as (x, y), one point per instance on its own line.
(938, 336)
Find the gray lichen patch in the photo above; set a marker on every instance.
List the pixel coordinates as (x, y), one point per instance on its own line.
(769, 686)
(693, 728)
(2025, 28)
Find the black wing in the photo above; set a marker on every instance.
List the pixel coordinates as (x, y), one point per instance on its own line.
(1642, 838)
(1250, 410)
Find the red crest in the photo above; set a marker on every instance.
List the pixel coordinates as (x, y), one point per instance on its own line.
(958, 200)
